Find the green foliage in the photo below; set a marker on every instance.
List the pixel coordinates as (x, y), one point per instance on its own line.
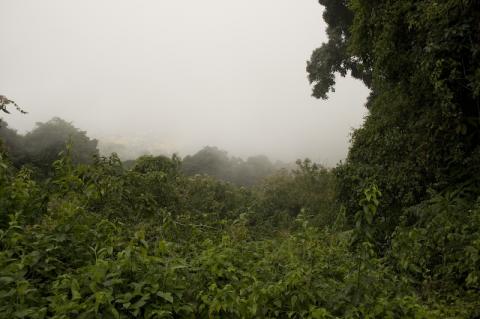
(163, 164)
(12, 143)
(437, 248)
(309, 189)
(214, 162)
(47, 140)
(391, 233)
(421, 61)
(419, 143)
(111, 243)
(333, 57)
(40, 147)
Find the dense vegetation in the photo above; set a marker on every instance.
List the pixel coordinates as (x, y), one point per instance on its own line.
(421, 60)
(215, 162)
(40, 147)
(393, 232)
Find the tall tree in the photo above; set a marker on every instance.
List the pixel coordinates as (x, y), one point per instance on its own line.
(421, 60)
(47, 140)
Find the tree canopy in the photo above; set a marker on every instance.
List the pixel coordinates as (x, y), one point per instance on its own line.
(393, 232)
(215, 162)
(421, 61)
(42, 146)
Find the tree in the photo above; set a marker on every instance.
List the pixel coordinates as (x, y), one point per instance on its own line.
(308, 188)
(421, 60)
(216, 163)
(12, 143)
(148, 163)
(47, 140)
(209, 160)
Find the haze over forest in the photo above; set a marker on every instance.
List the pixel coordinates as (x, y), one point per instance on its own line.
(175, 76)
(218, 188)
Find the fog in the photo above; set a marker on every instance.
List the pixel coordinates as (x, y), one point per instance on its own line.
(170, 76)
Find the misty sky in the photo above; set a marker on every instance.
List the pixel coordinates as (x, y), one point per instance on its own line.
(178, 75)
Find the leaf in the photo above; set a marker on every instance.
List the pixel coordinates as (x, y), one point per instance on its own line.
(74, 288)
(294, 300)
(166, 296)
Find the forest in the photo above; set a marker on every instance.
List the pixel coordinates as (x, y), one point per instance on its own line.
(393, 231)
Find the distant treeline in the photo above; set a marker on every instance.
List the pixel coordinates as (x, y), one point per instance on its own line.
(40, 147)
(391, 232)
(215, 162)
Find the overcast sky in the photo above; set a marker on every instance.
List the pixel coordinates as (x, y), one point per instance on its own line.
(178, 75)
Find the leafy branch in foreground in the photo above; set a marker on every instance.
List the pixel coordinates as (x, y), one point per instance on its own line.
(4, 102)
